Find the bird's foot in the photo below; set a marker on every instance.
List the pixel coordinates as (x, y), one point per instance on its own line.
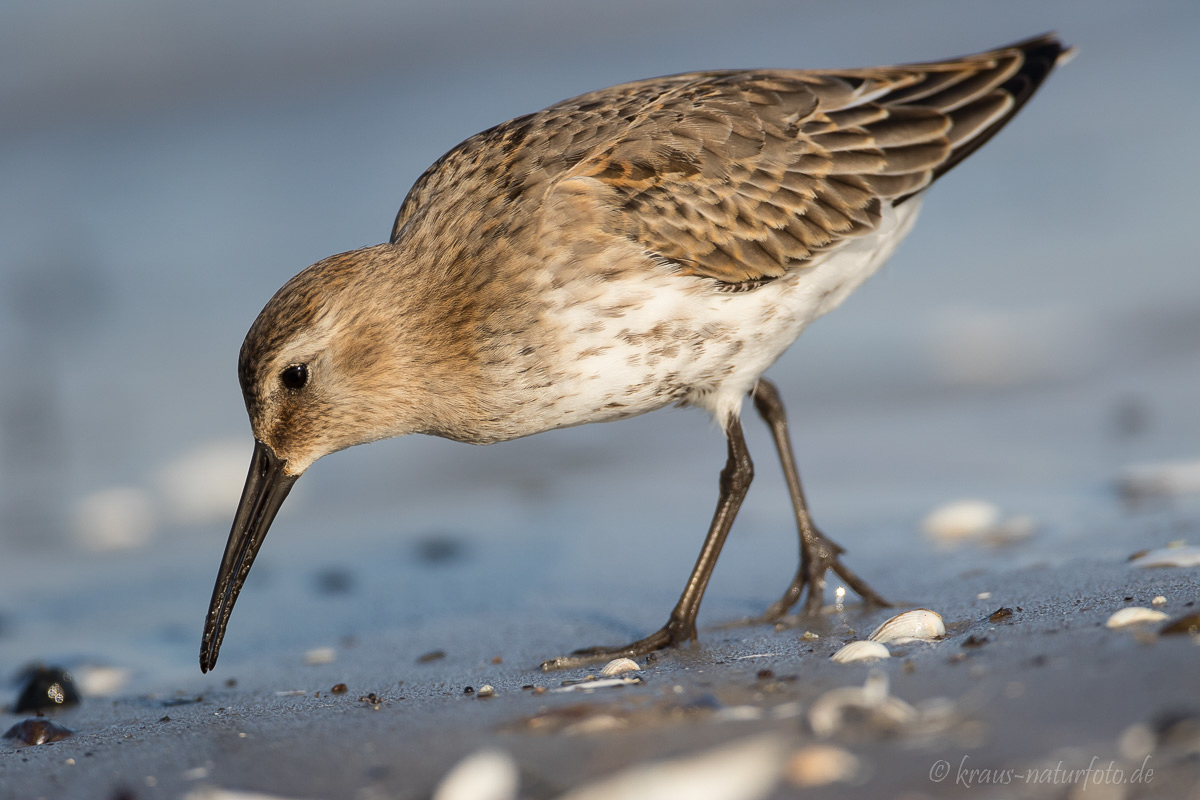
(819, 555)
(672, 634)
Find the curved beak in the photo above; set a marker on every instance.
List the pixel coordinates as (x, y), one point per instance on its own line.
(267, 485)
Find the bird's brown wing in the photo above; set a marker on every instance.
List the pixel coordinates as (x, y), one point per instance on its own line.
(741, 176)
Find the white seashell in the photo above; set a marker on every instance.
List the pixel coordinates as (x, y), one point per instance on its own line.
(213, 793)
(96, 681)
(320, 655)
(619, 666)
(860, 651)
(830, 711)
(917, 625)
(1159, 600)
(1163, 479)
(739, 714)
(120, 518)
(1185, 556)
(487, 690)
(603, 683)
(744, 770)
(1134, 615)
(963, 519)
(487, 775)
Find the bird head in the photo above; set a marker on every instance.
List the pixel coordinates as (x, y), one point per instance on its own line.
(330, 362)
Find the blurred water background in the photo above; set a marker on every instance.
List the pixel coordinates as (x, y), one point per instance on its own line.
(165, 167)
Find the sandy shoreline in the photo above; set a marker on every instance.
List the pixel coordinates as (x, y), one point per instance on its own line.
(1047, 684)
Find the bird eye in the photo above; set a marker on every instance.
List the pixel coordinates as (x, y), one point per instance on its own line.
(294, 376)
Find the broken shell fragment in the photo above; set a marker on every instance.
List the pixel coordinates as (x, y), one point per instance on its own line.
(1133, 616)
(1183, 556)
(619, 666)
(860, 651)
(35, 731)
(603, 683)
(920, 624)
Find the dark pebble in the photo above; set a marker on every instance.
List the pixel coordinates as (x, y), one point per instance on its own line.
(975, 641)
(46, 688)
(1177, 728)
(334, 580)
(432, 655)
(38, 730)
(338, 688)
(1000, 614)
(440, 548)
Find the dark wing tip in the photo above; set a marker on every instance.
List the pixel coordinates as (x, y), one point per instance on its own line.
(1039, 56)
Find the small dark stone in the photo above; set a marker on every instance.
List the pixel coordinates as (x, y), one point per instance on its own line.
(440, 548)
(765, 674)
(377, 773)
(164, 718)
(231, 682)
(469, 690)
(705, 702)
(338, 688)
(1177, 727)
(432, 655)
(371, 698)
(975, 641)
(46, 688)
(334, 580)
(37, 730)
(1000, 614)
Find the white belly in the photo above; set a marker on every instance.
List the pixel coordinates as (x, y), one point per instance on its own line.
(645, 342)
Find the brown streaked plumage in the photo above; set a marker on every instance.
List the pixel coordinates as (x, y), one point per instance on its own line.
(658, 242)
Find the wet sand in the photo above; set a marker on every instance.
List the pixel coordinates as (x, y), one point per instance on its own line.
(1047, 686)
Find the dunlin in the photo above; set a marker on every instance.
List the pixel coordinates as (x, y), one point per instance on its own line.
(660, 242)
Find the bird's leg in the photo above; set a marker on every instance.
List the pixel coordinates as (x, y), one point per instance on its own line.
(681, 627)
(818, 553)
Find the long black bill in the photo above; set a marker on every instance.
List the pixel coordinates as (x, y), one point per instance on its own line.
(266, 487)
